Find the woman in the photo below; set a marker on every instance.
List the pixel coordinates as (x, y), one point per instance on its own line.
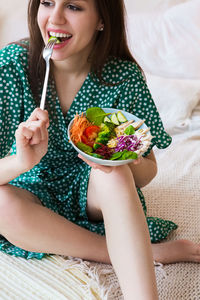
(51, 201)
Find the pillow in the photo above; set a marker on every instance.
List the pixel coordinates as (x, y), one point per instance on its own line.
(150, 5)
(175, 99)
(166, 42)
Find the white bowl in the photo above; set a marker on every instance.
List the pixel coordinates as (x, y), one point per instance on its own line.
(100, 161)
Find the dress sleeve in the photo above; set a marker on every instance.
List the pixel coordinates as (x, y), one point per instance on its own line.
(138, 101)
(11, 99)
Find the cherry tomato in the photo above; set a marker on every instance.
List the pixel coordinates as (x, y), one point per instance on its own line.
(85, 140)
(91, 132)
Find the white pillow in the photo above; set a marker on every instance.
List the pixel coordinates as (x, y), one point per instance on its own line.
(175, 99)
(167, 42)
(150, 5)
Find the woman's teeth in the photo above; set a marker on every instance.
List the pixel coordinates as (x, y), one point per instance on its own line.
(61, 36)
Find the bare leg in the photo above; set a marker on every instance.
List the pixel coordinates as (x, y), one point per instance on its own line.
(30, 226)
(25, 223)
(127, 234)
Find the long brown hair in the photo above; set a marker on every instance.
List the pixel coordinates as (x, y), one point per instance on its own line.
(110, 42)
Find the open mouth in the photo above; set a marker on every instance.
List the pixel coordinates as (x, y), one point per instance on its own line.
(60, 37)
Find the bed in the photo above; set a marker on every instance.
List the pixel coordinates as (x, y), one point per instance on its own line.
(167, 48)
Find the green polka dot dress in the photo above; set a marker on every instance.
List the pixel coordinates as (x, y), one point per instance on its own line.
(60, 180)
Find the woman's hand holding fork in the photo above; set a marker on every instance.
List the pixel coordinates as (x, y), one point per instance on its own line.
(32, 139)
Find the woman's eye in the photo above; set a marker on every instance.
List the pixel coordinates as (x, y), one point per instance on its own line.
(46, 3)
(73, 7)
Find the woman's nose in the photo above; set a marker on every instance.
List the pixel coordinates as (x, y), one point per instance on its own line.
(57, 16)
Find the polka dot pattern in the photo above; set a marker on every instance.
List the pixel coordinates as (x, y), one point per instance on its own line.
(60, 180)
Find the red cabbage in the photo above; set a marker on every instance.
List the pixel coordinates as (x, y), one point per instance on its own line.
(128, 142)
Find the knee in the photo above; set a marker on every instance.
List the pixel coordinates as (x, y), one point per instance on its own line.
(122, 174)
(111, 187)
(118, 177)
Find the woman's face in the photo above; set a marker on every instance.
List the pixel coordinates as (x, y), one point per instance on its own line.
(75, 22)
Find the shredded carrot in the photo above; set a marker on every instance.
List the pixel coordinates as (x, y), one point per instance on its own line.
(78, 127)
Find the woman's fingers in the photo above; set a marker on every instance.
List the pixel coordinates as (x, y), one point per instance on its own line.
(96, 166)
(32, 132)
(23, 134)
(39, 131)
(39, 114)
(106, 169)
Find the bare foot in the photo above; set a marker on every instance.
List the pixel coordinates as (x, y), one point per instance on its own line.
(176, 251)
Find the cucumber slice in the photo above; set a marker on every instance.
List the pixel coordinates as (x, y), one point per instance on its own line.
(54, 38)
(106, 119)
(121, 118)
(114, 119)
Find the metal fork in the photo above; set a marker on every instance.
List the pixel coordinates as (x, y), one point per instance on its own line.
(47, 52)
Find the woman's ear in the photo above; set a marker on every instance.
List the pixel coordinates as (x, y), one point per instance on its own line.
(100, 27)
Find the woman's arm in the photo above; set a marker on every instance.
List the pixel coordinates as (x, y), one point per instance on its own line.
(31, 143)
(145, 170)
(10, 169)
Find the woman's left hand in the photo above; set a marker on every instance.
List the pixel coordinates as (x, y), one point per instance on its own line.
(137, 161)
(105, 169)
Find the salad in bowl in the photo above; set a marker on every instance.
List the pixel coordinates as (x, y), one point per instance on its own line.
(108, 136)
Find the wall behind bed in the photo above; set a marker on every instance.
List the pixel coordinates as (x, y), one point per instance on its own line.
(13, 24)
(164, 36)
